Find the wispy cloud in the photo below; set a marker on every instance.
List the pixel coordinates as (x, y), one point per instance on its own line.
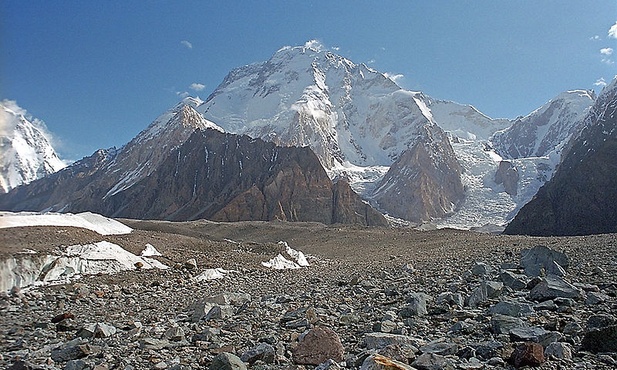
(197, 86)
(607, 52)
(594, 38)
(186, 44)
(600, 82)
(612, 32)
(397, 78)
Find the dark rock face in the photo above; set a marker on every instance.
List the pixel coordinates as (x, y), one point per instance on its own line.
(507, 175)
(579, 199)
(423, 183)
(212, 175)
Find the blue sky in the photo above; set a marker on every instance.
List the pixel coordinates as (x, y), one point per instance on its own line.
(98, 72)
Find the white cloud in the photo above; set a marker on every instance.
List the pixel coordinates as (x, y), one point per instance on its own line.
(397, 78)
(314, 44)
(183, 94)
(187, 44)
(197, 86)
(612, 32)
(606, 51)
(600, 82)
(336, 48)
(595, 38)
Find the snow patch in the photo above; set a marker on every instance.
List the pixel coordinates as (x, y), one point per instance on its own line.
(150, 251)
(86, 220)
(281, 262)
(212, 274)
(90, 259)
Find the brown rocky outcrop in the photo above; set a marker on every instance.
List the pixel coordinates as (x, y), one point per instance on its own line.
(212, 175)
(423, 183)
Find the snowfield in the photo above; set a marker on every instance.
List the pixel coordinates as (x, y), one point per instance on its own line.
(85, 220)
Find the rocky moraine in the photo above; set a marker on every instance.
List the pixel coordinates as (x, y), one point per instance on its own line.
(372, 298)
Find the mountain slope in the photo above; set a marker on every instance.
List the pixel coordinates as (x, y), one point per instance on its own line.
(546, 129)
(183, 168)
(26, 153)
(579, 199)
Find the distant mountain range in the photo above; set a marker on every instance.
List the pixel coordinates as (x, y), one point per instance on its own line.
(412, 157)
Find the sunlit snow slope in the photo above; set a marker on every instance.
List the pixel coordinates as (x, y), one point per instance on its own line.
(26, 153)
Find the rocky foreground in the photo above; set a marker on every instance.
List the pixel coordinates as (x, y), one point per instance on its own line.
(372, 298)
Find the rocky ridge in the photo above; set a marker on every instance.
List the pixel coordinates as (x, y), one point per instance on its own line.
(578, 200)
(455, 300)
(183, 168)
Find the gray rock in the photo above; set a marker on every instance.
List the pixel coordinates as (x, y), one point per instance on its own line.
(488, 350)
(541, 260)
(514, 309)
(416, 305)
(76, 365)
(430, 361)
(552, 287)
(480, 269)
(73, 350)
(219, 313)
(527, 334)
(512, 280)
(154, 344)
(200, 309)
(227, 361)
(262, 352)
(502, 324)
(594, 298)
(440, 348)
(600, 321)
(486, 290)
(451, 299)
(382, 340)
(559, 350)
(546, 305)
(330, 364)
(174, 334)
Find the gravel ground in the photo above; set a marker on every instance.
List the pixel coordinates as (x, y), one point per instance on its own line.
(360, 282)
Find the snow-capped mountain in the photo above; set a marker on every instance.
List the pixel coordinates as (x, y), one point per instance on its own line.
(26, 153)
(351, 116)
(360, 123)
(546, 129)
(580, 198)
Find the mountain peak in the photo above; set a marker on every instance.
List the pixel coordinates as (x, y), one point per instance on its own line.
(27, 153)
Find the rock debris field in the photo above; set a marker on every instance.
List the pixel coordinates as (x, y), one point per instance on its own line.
(371, 298)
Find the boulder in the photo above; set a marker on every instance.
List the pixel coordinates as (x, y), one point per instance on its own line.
(600, 340)
(530, 354)
(227, 361)
(541, 258)
(318, 345)
(551, 287)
